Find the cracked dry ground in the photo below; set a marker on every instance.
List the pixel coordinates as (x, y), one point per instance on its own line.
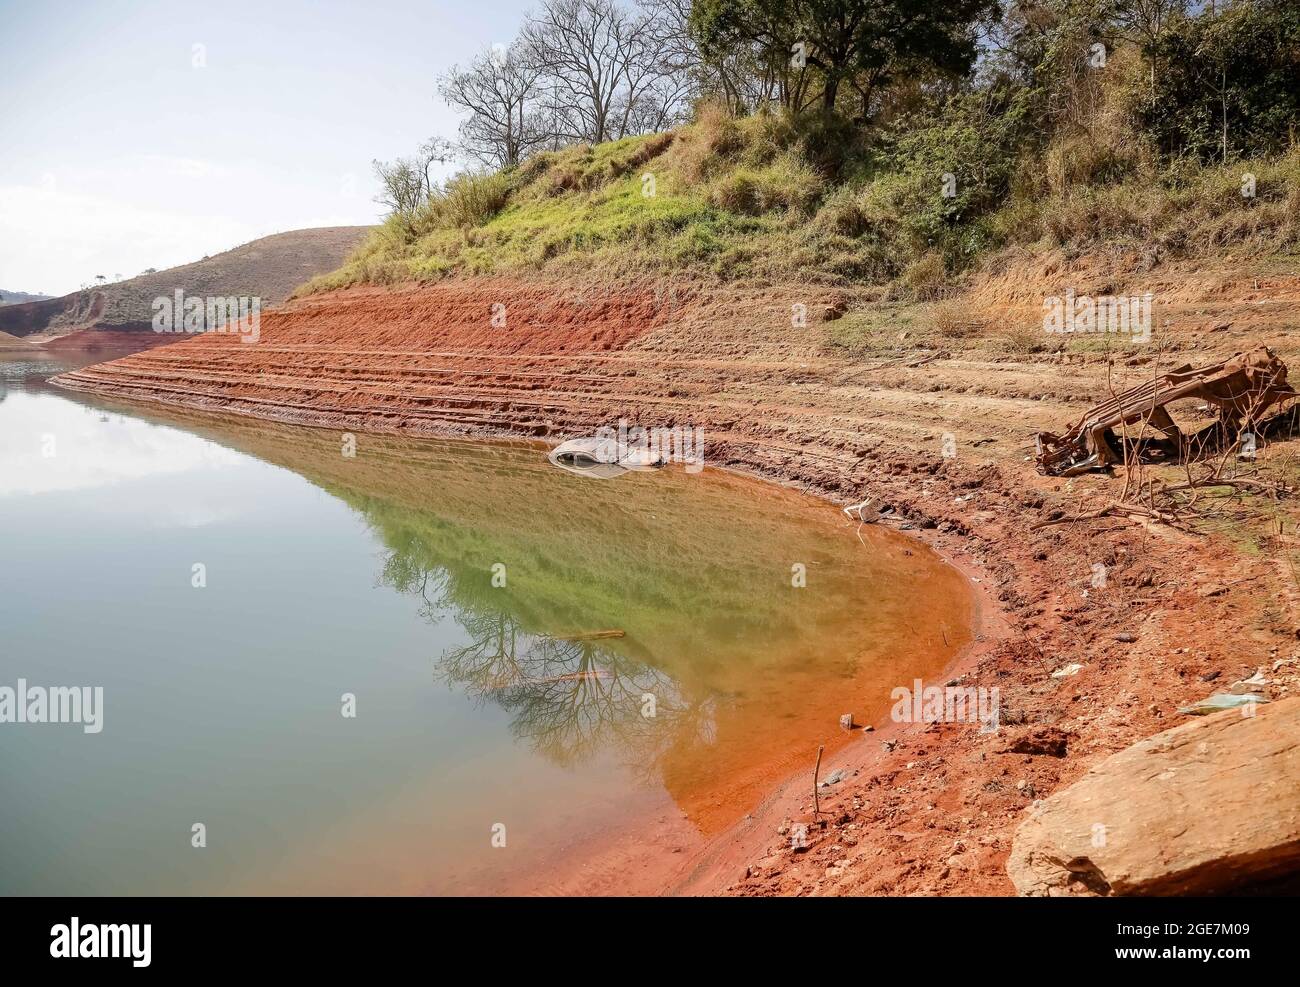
(924, 810)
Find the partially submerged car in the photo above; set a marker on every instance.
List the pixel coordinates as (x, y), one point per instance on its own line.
(603, 458)
(1242, 388)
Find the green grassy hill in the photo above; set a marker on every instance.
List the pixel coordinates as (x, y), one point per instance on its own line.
(770, 199)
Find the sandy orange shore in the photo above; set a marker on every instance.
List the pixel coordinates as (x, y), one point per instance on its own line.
(925, 809)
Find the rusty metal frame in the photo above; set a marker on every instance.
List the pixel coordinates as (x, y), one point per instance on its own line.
(1242, 388)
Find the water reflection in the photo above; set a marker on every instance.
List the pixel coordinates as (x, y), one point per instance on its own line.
(569, 699)
(724, 676)
(643, 676)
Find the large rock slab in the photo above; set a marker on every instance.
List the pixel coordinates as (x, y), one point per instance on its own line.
(1207, 807)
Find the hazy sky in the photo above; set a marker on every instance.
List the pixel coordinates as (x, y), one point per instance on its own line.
(121, 150)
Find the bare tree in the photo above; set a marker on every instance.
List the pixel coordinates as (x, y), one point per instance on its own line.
(405, 184)
(435, 151)
(499, 91)
(1142, 21)
(680, 67)
(600, 65)
(739, 79)
(401, 186)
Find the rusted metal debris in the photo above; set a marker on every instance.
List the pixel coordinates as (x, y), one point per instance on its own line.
(1242, 388)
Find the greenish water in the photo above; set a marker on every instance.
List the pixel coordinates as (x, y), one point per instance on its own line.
(462, 593)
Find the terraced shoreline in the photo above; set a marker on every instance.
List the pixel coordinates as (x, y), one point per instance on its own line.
(933, 810)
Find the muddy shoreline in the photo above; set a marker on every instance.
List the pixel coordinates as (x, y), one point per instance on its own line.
(926, 809)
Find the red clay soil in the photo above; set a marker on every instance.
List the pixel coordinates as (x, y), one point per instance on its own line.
(925, 809)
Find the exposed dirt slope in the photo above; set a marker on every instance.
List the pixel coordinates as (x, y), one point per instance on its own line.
(933, 810)
(269, 268)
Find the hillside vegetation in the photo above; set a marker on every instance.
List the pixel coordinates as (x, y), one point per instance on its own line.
(746, 198)
(1058, 141)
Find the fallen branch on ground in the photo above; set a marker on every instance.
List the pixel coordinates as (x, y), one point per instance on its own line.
(1120, 511)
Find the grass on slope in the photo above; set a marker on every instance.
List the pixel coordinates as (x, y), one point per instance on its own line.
(765, 198)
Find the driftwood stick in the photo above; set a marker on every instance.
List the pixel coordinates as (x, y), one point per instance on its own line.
(1090, 516)
(1239, 484)
(817, 802)
(1119, 511)
(592, 636)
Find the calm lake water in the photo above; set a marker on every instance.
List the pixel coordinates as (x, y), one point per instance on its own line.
(484, 713)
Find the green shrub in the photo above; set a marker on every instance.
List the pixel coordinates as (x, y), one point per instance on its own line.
(942, 174)
(470, 200)
(1241, 64)
(926, 279)
(786, 183)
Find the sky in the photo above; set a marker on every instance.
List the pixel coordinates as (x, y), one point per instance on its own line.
(155, 132)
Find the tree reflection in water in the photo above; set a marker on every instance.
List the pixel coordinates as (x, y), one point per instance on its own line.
(747, 673)
(568, 699)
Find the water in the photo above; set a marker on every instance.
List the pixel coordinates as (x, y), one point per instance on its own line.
(484, 713)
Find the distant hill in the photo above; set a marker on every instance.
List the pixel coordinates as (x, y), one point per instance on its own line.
(10, 343)
(269, 268)
(8, 297)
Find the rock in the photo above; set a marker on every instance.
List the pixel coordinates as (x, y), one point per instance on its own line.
(846, 721)
(1126, 638)
(834, 309)
(834, 778)
(1207, 807)
(1065, 671)
(1248, 685)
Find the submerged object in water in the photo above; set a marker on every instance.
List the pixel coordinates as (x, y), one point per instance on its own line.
(603, 458)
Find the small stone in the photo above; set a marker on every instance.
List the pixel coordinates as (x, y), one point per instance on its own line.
(834, 778)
